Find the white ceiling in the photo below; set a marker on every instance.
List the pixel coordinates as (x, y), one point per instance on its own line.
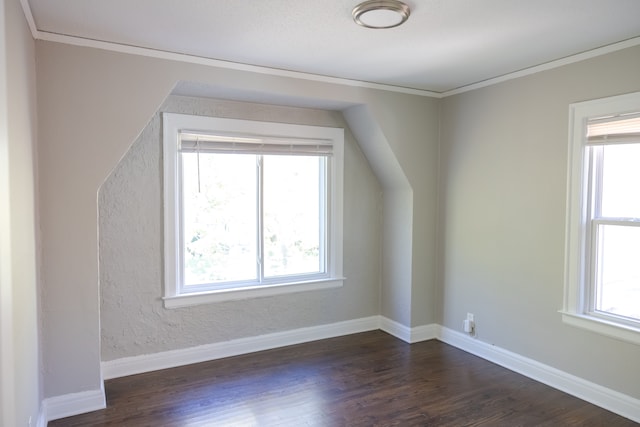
(445, 45)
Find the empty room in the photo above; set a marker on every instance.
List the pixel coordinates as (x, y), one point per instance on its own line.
(467, 253)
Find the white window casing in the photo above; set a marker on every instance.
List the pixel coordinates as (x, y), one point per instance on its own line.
(613, 120)
(188, 133)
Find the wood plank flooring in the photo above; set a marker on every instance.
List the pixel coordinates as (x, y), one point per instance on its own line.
(367, 379)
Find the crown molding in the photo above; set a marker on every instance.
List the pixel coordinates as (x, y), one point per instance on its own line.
(174, 56)
(26, 9)
(546, 66)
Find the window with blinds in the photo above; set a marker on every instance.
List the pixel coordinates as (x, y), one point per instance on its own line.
(250, 206)
(602, 282)
(613, 155)
(614, 130)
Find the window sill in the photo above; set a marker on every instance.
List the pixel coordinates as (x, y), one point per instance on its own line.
(196, 298)
(602, 326)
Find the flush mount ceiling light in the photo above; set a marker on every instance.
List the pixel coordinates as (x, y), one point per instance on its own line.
(381, 13)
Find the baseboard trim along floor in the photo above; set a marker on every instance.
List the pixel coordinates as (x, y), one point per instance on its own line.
(170, 359)
(626, 406)
(67, 405)
(598, 395)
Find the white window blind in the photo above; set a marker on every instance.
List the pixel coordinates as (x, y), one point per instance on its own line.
(196, 147)
(614, 130)
(602, 229)
(192, 142)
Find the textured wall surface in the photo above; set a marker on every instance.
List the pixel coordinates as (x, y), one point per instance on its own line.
(95, 103)
(133, 319)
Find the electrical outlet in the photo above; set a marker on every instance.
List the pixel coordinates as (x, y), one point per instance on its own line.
(469, 325)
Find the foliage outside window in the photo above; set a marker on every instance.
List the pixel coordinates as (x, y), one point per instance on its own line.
(251, 208)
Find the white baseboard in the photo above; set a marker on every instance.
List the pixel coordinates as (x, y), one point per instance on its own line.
(396, 329)
(67, 405)
(42, 417)
(603, 397)
(407, 334)
(170, 359)
(424, 333)
(76, 403)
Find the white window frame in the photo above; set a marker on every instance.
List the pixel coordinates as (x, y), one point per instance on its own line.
(578, 309)
(173, 125)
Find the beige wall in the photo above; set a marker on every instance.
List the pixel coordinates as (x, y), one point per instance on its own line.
(502, 210)
(20, 392)
(408, 255)
(92, 106)
(501, 202)
(411, 127)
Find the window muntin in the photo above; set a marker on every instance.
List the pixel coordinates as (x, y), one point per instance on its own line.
(601, 276)
(251, 208)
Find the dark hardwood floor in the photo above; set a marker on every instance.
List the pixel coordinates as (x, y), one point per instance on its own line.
(367, 379)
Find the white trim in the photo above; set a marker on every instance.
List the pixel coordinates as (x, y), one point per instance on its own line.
(172, 125)
(186, 300)
(42, 417)
(191, 59)
(396, 329)
(593, 53)
(598, 395)
(170, 359)
(26, 9)
(76, 403)
(577, 295)
(67, 405)
(603, 397)
(602, 326)
(424, 333)
(407, 334)
(172, 56)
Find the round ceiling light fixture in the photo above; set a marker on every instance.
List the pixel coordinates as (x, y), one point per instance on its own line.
(381, 13)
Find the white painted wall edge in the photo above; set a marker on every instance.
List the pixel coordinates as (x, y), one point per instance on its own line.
(603, 397)
(67, 405)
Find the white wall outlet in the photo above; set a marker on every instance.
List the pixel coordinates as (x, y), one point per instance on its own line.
(469, 325)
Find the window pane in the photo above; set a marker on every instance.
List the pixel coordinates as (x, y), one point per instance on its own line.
(292, 216)
(219, 217)
(621, 181)
(618, 270)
